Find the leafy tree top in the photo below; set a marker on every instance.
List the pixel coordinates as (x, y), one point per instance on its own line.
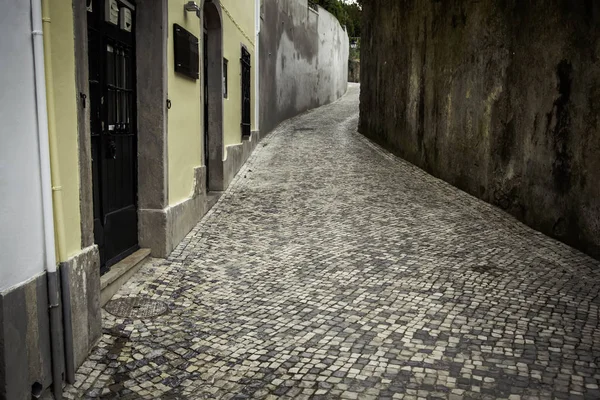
(349, 14)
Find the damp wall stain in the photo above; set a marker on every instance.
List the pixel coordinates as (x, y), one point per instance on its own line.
(303, 60)
(498, 97)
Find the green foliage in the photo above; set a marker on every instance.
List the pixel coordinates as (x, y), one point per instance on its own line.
(349, 15)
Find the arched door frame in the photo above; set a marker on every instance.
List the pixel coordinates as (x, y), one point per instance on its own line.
(213, 24)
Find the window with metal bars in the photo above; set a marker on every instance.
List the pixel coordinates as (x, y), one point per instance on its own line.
(246, 93)
(119, 86)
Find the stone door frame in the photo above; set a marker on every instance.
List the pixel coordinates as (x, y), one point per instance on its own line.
(152, 174)
(213, 24)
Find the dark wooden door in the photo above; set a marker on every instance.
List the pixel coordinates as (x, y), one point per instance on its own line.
(111, 50)
(245, 92)
(205, 85)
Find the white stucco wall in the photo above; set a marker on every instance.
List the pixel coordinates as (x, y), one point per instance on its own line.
(334, 48)
(303, 60)
(21, 231)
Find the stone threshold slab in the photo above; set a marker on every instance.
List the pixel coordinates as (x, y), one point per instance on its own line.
(111, 282)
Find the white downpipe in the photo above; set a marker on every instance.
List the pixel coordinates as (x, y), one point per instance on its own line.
(47, 209)
(59, 228)
(43, 143)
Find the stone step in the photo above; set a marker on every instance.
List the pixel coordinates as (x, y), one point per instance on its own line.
(211, 198)
(111, 282)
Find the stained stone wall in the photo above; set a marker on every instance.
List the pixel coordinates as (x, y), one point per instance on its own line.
(501, 98)
(303, 60)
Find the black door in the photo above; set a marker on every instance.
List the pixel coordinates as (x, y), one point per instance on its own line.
(111, 50)
(245, 92)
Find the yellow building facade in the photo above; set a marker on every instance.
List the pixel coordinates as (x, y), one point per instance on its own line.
(186, 115)
(184, 147)
(239, 27)
(62, 116)
(151, 104)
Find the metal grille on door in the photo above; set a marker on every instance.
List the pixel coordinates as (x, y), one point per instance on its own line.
(245, 60)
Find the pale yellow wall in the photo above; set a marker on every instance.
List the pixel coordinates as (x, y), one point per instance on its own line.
(242, 12)
(238, 28)
(65, 100)
(185, 132)
(185, 115)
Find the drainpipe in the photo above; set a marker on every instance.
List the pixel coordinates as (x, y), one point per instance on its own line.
(47, 204)
(59, 227)
(54, 163)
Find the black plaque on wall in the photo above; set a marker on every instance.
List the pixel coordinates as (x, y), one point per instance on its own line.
(187, 57)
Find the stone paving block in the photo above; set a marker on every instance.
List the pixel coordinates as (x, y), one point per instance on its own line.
(332, 269)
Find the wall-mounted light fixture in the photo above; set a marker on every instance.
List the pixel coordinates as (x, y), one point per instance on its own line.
(191, 6)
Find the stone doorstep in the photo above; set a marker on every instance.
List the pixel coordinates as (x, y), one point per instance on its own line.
(111, 282)
(211, 198)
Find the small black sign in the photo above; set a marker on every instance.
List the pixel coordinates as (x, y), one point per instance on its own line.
(187, 56)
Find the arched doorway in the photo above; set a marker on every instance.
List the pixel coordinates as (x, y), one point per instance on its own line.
(213, 94)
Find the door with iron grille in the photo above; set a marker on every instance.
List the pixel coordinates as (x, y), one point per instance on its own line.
(245, 92)
(111, 52)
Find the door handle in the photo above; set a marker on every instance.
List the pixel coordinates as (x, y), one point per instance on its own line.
(112, 149)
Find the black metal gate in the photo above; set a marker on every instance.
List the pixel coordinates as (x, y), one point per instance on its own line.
(111, 50)
(245, 92)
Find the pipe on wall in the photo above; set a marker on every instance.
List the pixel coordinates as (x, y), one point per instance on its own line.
(54, 159)
(47, 201)
(60, 330)
(65, 278)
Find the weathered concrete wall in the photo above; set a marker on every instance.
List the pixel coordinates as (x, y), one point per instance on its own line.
(500, 98)
(82, 273)
(303, 60)
(25, 357)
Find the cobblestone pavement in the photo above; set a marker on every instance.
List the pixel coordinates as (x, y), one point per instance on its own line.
(333, 270)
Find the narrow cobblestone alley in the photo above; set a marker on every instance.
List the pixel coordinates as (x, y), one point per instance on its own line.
(331, 269)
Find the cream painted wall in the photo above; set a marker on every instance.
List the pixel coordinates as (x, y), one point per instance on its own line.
(65, 99)
(243, 13)
(185, 115)
(238, 28)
